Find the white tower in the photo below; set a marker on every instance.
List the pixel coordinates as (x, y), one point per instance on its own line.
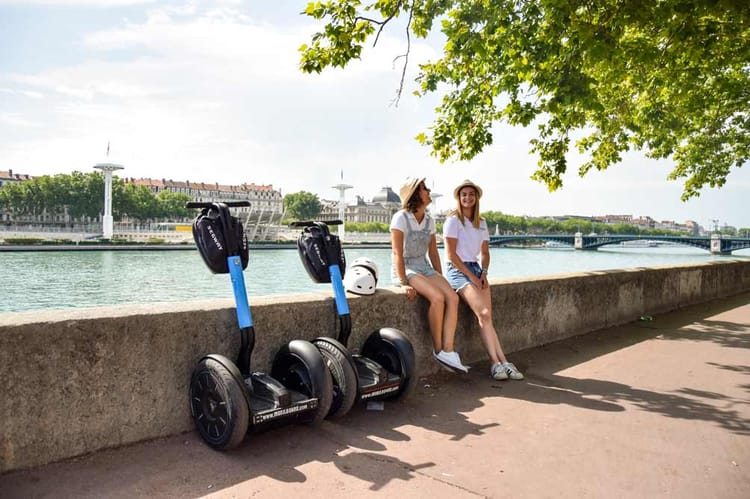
(108, 168)
(342, 187)
(434, 196)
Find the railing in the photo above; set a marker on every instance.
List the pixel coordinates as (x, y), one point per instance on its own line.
(714, 243)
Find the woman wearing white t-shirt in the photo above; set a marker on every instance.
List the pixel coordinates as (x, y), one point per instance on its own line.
(467, 247)
(412, 241)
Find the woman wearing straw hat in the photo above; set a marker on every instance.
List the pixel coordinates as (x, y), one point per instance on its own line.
(467, 249)
(413, 240)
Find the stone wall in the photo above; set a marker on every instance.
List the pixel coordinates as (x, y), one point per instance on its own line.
(78, 381)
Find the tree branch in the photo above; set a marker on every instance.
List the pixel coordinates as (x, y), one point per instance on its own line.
(396, 100)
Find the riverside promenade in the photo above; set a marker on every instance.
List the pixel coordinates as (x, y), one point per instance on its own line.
(657, 408)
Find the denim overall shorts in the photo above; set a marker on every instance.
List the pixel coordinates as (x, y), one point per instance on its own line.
(416, 243)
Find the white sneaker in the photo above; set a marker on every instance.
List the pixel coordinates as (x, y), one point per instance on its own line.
(511, 370)
(451, 360)
(497, 371)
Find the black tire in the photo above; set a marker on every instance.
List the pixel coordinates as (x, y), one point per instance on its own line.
(299, 366)
(343, 375)
(391, 349)
(218, 404)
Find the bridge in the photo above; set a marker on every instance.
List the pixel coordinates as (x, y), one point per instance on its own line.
(716, 244)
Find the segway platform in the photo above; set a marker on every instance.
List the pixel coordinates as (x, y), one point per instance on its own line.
(374, 379)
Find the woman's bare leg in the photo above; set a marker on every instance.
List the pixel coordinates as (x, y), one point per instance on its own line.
(450, 314)
(480, 302)
(436, 312)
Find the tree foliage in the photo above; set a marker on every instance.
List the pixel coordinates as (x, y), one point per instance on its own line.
(302, 205)
(668, 77)
(82, 195)
(512, 224)
(377, 227)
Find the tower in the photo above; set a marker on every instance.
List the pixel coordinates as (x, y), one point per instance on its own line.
(434, 196)
(107, 168)
(342, 187)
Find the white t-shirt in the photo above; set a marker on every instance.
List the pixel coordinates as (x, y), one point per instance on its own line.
(470, 239)
(399, 222)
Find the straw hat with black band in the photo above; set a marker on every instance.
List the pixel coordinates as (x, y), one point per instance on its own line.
(467, 183)
(408, 189)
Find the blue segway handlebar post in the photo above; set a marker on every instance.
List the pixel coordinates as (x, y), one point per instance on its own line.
(244, 317)
(342, 306)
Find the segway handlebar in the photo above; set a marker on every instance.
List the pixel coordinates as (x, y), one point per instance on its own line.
(229, 204)
(310, 223)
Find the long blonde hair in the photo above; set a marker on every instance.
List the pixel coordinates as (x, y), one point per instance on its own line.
(475, 218)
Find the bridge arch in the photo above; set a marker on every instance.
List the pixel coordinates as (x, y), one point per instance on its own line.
(715, 244)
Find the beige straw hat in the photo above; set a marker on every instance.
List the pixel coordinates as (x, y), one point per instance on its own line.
(408, 188)
(467, 183)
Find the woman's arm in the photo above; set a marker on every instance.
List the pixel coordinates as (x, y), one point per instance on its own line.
(432, 252)
(397, 249)
(485, 262)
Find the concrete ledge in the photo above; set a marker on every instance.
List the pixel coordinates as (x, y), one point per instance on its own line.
(82, 380)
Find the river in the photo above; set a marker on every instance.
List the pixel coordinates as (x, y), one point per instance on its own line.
(71, 279)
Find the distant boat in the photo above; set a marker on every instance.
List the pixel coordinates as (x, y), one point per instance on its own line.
(640, 243)
(555, 244)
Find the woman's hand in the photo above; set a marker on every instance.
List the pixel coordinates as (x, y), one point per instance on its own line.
(476, 281)
(411, 293)
(483, 281)
(480, 282)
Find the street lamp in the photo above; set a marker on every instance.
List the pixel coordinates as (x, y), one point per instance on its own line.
(107, 224)
(342, 187)
(435, 196)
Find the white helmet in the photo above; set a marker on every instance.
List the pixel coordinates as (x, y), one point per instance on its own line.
(360, 281)
(367, 263)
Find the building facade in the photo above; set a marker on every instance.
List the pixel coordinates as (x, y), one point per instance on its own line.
(266, 204)
(380, 210)
(264, 199)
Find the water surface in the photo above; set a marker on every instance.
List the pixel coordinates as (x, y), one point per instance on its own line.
(66, 279)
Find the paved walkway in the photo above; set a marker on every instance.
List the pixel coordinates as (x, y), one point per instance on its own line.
(651, 409)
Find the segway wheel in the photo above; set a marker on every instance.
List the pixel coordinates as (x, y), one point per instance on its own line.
(299, 366)
(218, 405)
(391, 349)
(343, 375)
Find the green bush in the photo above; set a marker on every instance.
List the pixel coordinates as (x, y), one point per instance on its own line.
(23, 240)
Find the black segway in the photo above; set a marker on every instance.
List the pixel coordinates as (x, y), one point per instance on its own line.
(385, 366)
(226, 398)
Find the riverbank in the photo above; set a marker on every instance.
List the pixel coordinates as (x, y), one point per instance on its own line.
(160, 247)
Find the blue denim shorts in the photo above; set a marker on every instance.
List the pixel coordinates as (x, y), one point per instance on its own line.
(458, 279)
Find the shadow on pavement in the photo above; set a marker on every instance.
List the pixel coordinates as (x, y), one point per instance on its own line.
(546, 386)
(355, 445)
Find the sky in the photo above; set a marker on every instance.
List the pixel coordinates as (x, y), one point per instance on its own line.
(211, 91)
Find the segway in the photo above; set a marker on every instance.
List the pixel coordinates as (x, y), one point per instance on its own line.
(384, 369)
(226, 398)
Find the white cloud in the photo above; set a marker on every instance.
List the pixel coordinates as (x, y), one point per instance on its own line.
(76, 3)
(216, 95)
